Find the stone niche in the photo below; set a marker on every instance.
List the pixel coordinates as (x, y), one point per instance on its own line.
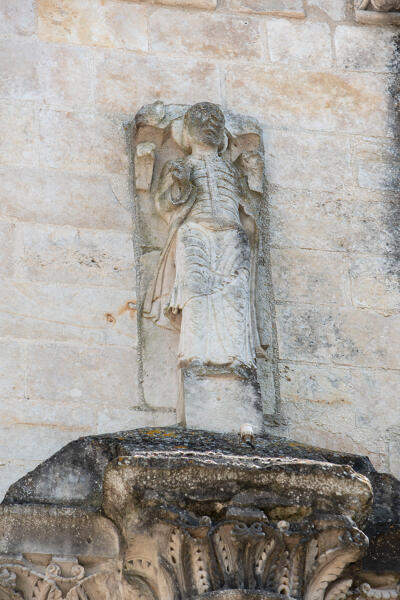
(172, 514)
(206, 342)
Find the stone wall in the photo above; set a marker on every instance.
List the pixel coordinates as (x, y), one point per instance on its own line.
(72, 75)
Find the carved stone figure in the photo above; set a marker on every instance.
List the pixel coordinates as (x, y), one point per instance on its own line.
(203, 281)
(202, 172)
(379, 5)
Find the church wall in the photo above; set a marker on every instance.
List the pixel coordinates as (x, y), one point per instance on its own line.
(72, 75)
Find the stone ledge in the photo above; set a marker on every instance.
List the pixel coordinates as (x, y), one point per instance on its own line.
(372, 17)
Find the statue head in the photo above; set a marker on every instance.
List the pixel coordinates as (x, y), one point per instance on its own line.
(204, 123)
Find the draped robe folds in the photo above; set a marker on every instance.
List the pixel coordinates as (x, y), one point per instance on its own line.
(203, 282)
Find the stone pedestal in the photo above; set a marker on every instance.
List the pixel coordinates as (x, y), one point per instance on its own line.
(206, 404)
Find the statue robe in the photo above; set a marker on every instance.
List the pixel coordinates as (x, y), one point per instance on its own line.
(203, 284)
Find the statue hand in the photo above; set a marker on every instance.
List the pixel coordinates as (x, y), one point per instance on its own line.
(180, 173)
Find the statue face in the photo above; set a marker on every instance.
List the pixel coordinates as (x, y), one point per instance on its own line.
(205, 123)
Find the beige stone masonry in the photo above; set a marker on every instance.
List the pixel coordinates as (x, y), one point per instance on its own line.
(106, 23)
(175, 80)
(205, 35)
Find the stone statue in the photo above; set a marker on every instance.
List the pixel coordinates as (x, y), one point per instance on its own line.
(200, 198)
(203, 280)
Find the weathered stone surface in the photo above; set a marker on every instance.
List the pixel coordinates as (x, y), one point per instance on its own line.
(52, 311)
(378, 163)
(93, 375)
(50, 74)
(93, 23)
(7, 248)
(369, 394)
(12, 470)
(345, 336)
(209, 36)
(173, 80)
(79, 482)
(361, 49)
(221, 403)
(324, 101)
(38, 196)
(47, 531)
(374, 283)
(17, 18)
(308, 45)
(18, 133)
(69, 255)
(335, 10)
(115, 419)
(310, 277)
(78, 142)
(307, 161)
(304, 219)
(278, 8)
(11, 370)
(42, 440)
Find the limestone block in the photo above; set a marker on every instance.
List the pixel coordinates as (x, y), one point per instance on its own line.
(107, 23)
(160, 376)
(42, 441)
(120, 419)
(66, 76)
(307, 160)
(50, 74)
(305, 44)
(305, 219)
(82, 142)
(205, 4)
(365, 49)
(78, 313)
(374, 225)
(316, 384)
(92, 202)
(340, 442)
(324, 101)
(374, 282)
(335, 10)
(206, 35)
(378, 163)
(342, 336)
(173, 80)
(69, 255)
(221, 403)
(17, 134)
(19, 73)
(375, 393)
(279, 8)
(12, 369)
(17, 18)
(7, 248)
(370, 395)
(93, 375)
(311, 277)
(65, 415)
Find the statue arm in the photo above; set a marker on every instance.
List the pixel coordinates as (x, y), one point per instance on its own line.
(174, 188)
